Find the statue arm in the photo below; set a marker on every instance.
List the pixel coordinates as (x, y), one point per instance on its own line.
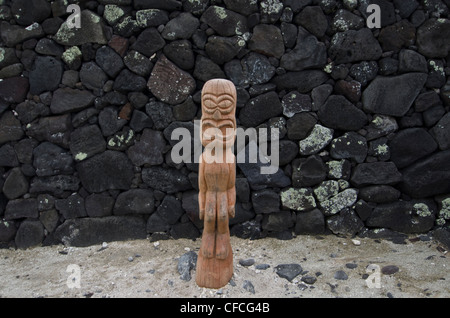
(231, 193)
(202, 190)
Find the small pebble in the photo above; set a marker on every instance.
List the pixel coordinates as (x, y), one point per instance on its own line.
(130, 258)
(356, 242)
(247, 262)
(389, 270)
(340, 275)
(309, 279)
(248, 286)
(351, 265)
(262, 266)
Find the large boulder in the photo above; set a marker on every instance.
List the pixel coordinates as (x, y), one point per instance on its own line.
(393, 96)
(106, 171)
(427, 177)
(169, 83)
(92, 31)
(91, 231)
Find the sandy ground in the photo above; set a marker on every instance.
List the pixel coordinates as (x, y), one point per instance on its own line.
(149, 269)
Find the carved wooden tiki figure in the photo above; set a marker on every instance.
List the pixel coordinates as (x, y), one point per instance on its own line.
(217, 175)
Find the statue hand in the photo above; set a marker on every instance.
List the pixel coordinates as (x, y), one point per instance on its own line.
(202, 214)
(231, 211)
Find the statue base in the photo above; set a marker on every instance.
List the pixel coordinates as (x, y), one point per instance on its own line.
(213, 272)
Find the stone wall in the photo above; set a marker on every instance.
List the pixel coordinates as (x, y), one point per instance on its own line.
(86, 117)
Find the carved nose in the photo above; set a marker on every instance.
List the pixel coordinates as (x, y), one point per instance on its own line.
(217, 115)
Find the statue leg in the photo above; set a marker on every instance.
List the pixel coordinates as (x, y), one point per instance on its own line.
(209, 229)
(223, 231)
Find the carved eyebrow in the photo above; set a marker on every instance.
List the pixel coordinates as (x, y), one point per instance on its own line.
(218, 124)
(218, 98)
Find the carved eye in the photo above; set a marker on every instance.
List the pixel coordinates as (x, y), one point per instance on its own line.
(225, 103)
(209, 103)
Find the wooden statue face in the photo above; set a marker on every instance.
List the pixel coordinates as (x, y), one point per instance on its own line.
(218, 123)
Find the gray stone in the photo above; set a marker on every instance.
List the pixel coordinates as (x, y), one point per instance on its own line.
(432, 38)
(375, 173)
(54, 184)
(99, 205)
(317, 140)
(49, 219)
(180, 52)
(148, 42)
(380, 125)
(253, 69)
(71, 207)
(50, 159)
(109, 170)
(109, 121)
(128, 81)
(270, 10)
(170, 209)
(339, 202)
(223, 49)
(411, 61)
(379, 194)
(110, 62)
(14, 34)
(186, 263)
(393, 96)
(149, 149)
(288, 271)
(8, 157)
(169, 83)
(339, 113)
(441, 132)
(29, 234)
(167, 180)
(345, 20)
(340, 275)
(303, 81)
(265, 201)
(346, 222)
(267, 40)
(86, 141)
(310, 223)
(7, 231)
(93, 77)
(140, 120)
(27, 12)
(353, 46)
(259, 109)
(298, 199)
(45, 75)
(313, 19)
(205, 69)
(403, 216)
(273, 176)
(308, 53)
(90, 231)
(55, 129)
(135, 201)
(16, 184)
(10, 128)
(410, 145)
(427, 177)
(294, 103)
(151, 17)
(69, 100)
(21, 208)
(225, 22)
(181, 27)
(349, 146)
(91, 32)
(307, 172)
